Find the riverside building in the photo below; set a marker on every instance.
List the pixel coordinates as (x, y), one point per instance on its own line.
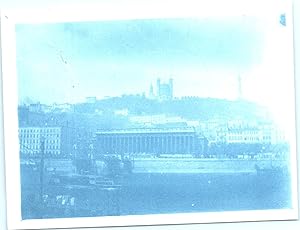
(52, 141)
(150, 141)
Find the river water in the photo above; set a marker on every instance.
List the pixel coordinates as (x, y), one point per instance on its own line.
(175, 193)
(157, 193)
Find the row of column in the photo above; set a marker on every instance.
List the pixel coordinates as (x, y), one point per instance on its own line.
(159, 144)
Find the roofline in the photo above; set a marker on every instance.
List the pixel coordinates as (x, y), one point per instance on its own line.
(141, 131)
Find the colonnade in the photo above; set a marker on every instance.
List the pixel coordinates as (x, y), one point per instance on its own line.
(166, 143)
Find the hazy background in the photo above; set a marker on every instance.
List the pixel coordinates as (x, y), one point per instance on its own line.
(204, 57)
(67, 62)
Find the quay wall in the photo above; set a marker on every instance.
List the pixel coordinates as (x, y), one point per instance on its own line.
(192, 165)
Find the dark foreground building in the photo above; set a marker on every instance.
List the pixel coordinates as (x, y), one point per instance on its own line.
(150, 141)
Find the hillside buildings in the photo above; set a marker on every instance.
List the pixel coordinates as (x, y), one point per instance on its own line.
(159, 124)
(242, 132)
(158, 120)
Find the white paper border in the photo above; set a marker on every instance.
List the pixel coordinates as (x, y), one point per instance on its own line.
(111, 11)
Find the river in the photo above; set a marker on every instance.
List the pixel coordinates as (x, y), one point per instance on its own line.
(157, 193)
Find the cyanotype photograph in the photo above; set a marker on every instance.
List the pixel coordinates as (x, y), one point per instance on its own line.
(144, 116)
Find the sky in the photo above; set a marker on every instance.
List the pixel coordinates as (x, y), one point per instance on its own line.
(205, 56)
(111, 58)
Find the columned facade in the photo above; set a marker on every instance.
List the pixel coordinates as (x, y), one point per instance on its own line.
(149, 141)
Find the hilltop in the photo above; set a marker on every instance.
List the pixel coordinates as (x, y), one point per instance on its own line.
(195, 108)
